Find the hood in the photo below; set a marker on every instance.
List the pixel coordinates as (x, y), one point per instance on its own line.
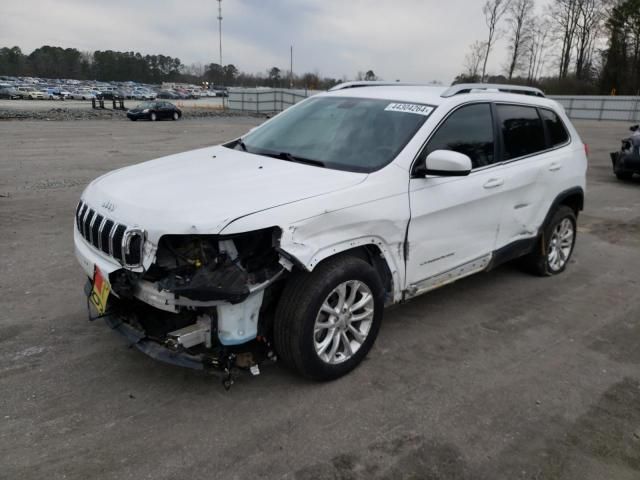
(201, 191)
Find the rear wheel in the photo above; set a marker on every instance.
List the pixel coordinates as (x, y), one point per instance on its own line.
(624, 175)
(153, 117)
(555, 247)
(328, 320)
(175, 116)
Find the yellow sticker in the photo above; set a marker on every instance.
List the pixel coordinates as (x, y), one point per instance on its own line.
(100, 291)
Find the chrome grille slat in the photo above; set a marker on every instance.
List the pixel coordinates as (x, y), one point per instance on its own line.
(93, 220)
(105, 236)
(83, 214)
(86, 223)
(111, 234)
(102, 223)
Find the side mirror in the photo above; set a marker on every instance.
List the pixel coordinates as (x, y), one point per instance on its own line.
(447, 163)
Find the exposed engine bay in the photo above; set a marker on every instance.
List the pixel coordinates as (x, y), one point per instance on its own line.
(209, 298)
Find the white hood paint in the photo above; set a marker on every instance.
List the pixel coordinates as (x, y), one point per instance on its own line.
(203, 190)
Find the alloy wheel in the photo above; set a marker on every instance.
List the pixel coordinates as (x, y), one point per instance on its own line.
(343, 322)
(560, 245)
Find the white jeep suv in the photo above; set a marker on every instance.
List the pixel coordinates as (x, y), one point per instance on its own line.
(291, 240)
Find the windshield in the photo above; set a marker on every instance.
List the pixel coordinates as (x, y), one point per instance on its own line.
(355, 134)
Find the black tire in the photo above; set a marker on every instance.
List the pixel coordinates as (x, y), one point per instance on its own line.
(300, 304)
(175, 116)
(537, 262)
(153, 117)
(626, 176)
(133, 119)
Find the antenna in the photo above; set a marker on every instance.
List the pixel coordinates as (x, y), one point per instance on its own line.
(291, 70)
(220, 27)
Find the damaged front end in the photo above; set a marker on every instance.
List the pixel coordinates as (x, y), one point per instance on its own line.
(206, 302)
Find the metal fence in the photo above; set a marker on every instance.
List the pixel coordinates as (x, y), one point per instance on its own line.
(584, 107)
(587, 107)
(264, 100)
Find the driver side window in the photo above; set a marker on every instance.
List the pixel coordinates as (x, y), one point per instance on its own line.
(468, 130)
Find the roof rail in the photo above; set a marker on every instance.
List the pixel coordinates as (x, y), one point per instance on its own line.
(470, 87)
(377, 83)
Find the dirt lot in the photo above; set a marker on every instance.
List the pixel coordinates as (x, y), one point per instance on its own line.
(43, 105)
(499, 376)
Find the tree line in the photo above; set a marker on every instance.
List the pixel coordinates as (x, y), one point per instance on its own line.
(109, 65)
(563, 46)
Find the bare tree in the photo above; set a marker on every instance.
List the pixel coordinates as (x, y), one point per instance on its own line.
(520, 23)
(590, 22)
(473, 59)
(566, 15)
(537, 49)
(493, 11)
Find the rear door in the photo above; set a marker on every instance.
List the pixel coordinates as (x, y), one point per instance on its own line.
(163, 110)
(524, 156)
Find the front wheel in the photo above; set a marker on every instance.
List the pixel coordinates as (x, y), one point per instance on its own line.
(153, 117)
(555, 247)
(176, 116)
(327, 320)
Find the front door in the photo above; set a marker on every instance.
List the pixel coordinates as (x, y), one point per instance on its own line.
(455, 220)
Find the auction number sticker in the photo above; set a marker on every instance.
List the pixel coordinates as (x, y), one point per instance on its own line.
(409, 108)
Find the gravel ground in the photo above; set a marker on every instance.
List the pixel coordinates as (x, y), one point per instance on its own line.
(499, 376)
(55, 110)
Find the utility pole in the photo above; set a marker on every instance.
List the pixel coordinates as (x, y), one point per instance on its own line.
(291, 70)
(220, 27)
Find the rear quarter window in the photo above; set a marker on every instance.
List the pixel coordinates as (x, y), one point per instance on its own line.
(558, 134)
(522, 131)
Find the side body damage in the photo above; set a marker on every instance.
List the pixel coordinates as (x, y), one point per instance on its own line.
(206, 300)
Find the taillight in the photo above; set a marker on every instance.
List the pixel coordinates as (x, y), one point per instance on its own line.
(586, 150)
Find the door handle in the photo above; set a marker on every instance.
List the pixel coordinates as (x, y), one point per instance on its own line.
(494, 182)
(555, 166)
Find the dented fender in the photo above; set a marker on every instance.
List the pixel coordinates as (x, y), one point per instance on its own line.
(373, 213)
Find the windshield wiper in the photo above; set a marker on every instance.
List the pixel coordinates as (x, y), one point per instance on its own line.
(294, 158)
(239, 142)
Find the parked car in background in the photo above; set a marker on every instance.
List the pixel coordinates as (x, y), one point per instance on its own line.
(143, 94)
(626, 161)
(220, 91)
(55, 93)
(181, 94)
(83, 94)
(29, 93)
(9, 93)
(168, 94)
(114, 94)
(156, 110)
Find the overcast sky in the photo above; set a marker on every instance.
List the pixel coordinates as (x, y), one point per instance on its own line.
(411, 40)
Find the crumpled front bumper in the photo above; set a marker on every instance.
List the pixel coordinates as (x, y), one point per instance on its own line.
(150, 347)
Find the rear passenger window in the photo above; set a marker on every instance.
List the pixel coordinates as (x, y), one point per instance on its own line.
(468, 130)
(555, 128)
(522, 130)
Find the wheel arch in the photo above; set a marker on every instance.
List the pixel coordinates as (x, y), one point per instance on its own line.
(572, 198)
(370, 249)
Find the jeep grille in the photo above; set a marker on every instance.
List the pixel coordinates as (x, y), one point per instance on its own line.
(116, 240)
